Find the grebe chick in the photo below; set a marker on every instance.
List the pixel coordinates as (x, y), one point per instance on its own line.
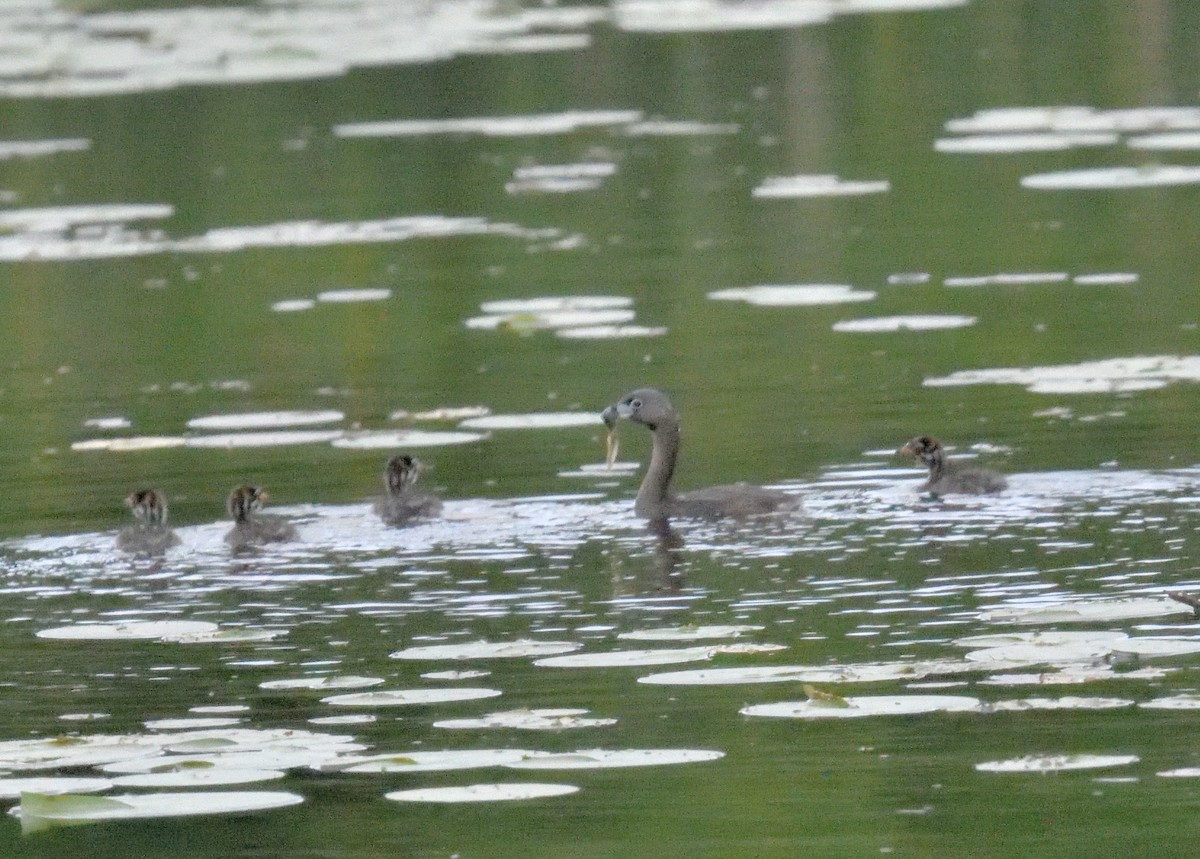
(946, 477)
(250, 528)
(652, 409)
(149, 535)
(402, 505)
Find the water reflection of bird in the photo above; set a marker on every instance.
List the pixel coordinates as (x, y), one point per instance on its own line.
(951, 477)
(150, 534)
(652, 409)
(250, 528)
(402, 505)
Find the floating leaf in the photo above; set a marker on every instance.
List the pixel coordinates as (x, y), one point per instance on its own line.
(40, 811)
(1056, 763)
(482, 792)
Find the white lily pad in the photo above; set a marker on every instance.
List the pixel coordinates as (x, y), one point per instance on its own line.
(455, 675)
(528, 720)
(438, 761)
(265, 420)
(549, 319)
(348, 719)
(266, 438)
(1182, 772)
(349, 296)
(389, 439)
(226, 636)
(198, 777)
(1083, 611)
(1161, 646)
(689, 633)
(482, 792)
(134, 630)
(793, 296)
(12, 788)
(1114, 178)
(817, 186)
(551, 304)
(127, 445)
(1056, 763)
(861, 673)
(191, 724)
(409, 697)
(1033, 142)
(1110, 375)
(588, 759)
(926, 322)
(866, 705)
(1069, 675)
(1042, 637)
(610, 332)
(293, 305)
(329, 681)
(40, 811)
(486, 650)
(535, 420)
(661, 656)
(1064, 703)
(1173, 702)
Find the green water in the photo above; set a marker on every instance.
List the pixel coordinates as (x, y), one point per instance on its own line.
(1103, 501)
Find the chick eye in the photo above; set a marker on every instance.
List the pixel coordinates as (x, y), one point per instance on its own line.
(637, 404)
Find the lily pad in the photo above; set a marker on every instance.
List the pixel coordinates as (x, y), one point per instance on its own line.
(661, 656)
(529, 720)
(1056, 763)
(134, 630)
(486, 650)
(12, 788)
(1083, 611)
(859, 706)
(588, 759)
(689, 633)
(482, 792)
(40, 811)
(423, 761)
(409, 697)
(265, 420)
(853, 673)
(331, 681)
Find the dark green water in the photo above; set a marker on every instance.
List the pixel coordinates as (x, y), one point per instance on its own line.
(1103, 501)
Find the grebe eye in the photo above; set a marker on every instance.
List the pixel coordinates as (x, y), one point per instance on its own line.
(637, 404)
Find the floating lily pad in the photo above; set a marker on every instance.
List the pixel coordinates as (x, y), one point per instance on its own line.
(389, 439)
(529, 720)
(198, 777)
(817, 186)
(1056, 763)
(455, 675)
(928, 322)
(528, 322)
(1112, 375)
(293, 305)
(265, 420)
(792, 296)
(662, 656)
(869, 705)
(610, 332)
(12, 788)
(424, 761)
(409, 697)
(1173, 702)
(134, 630)
(331, 681)
(543, 420)
(1182, 772)
(347, 296)
(862, 673)
(1083, 611)
(689, 633)
(40, 811)
(482, 792)
(269, 438)
(1065, 703)
(587, 759)
(190, 724)
(1097, 178)
(487, 650)
(125, 445)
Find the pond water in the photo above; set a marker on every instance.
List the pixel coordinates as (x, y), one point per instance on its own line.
(280, 242)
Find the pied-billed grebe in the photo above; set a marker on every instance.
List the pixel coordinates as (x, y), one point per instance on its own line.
(402, 505)
(150, 534)
(652, 409)
(951, 477)
(250, 528)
